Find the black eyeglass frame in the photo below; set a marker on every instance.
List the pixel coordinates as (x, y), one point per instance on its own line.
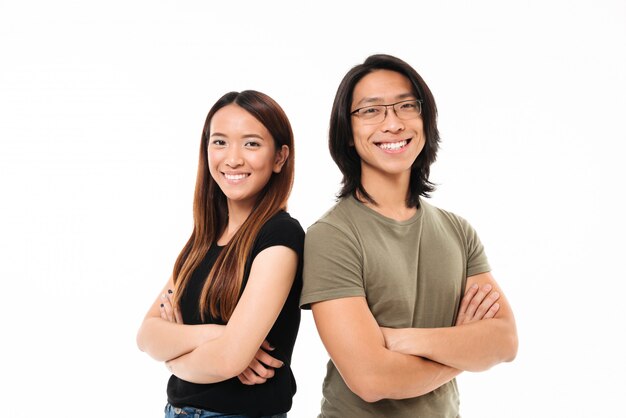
(392, 105)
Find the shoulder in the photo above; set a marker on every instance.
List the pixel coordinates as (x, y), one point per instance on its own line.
(281, 229)
(339, 228)
(445, 220)
(436, 214)
(335, 222)
(340, 217)
(283, 221)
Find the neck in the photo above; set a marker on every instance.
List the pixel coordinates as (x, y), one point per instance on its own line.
(237, 215)
(390, 193)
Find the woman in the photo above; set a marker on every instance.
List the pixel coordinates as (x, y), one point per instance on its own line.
(233, 294)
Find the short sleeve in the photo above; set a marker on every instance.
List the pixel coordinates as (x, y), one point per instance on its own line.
(333, 265)
(476, 258)
(281, 230)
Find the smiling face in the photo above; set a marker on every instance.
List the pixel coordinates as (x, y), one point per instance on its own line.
(390, 147)
(242, 155)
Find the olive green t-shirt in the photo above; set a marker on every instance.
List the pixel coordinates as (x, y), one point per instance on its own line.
(412, 274)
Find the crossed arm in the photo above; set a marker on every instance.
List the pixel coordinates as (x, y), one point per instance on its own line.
(205, 353)
(380, 363)
(471, 346)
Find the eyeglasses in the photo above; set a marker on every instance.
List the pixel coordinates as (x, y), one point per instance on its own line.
(405, 110)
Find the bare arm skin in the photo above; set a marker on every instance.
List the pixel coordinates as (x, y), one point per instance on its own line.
(357, 347)
(471, 345)
(478, 303)
(165, 340)
(229, 354)
(257, 372)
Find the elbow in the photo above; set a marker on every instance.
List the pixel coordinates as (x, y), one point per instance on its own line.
(369, 395)
(512, 346)
(148, 346)
(145, 337)
(505, 354)
(509, 346)
(141, 340)
(231, 365)
(365, 388)
(219, 371)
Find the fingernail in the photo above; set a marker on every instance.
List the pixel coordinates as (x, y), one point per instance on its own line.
(169, 291)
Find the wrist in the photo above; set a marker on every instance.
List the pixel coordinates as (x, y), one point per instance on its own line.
(412, 342)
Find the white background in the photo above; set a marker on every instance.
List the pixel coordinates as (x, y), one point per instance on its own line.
(102, 105)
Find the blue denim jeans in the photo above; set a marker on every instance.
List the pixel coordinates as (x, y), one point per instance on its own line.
(190, 412)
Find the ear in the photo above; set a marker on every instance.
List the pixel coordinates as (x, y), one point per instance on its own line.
(281, 157)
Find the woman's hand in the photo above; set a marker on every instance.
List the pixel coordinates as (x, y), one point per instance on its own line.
(261, 368)
(168, 312)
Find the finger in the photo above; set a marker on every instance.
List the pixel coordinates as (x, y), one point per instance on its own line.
(469, 294)
(485, 305)
(477, 300)
(261, 370)
(461, 317)
(267, 346)
(170, 299)
(492, 311)
(170, 296)
(242, 378)
(162, 312)
(252, 377)
(270, 361)
(178, 316)
(167, 306)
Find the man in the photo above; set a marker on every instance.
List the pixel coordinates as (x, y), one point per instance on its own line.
(385, 271)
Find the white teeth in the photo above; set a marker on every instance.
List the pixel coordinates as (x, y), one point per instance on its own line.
(235, 176)
(393, 145)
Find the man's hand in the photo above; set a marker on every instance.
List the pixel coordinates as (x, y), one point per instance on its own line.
(478, 303)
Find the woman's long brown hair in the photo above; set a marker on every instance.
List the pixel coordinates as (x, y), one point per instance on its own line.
(222, 288)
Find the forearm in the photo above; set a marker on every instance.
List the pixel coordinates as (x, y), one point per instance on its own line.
(164, 340)
(472, 347)
(372, 371)
(401, 376)
(270, 280)
(214, 361)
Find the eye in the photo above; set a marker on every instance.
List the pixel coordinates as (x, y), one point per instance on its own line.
(412, 105)
(370, 111)
(218, 142)
(252, 144)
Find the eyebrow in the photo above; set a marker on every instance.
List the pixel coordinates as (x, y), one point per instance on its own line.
(246, 136)
(376, 100)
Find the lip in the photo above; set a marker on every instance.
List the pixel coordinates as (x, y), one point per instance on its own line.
(235, 177)
(391, 149)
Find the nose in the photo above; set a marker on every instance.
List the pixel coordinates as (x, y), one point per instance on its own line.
(233, 158)
(392, 122)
